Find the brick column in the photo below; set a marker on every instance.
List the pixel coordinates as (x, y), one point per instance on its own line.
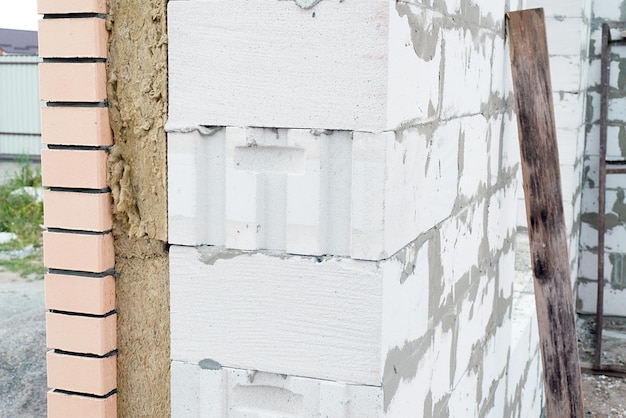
(78, 244)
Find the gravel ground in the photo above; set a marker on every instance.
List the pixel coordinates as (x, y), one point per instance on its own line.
(22, 347)
(604, 396)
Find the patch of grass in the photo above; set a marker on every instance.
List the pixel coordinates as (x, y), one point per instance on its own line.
(29, 267)
(22, 215)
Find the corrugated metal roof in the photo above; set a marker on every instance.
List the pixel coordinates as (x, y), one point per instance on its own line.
(22, 42)
(20, 120)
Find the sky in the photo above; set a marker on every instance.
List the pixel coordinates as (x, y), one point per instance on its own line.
(18, 14)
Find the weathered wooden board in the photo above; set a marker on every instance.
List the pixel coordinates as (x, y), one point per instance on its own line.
(544, 208)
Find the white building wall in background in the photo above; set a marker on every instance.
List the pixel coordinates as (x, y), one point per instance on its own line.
(615, 236)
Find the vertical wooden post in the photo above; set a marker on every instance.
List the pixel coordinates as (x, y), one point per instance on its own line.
(544, 209)
(604, 116)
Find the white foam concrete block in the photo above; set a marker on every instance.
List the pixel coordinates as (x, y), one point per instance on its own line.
(207, 390)
(617, 110)
(474, 173)
(568, 141)
(196, 180)
(501, 83)
(294, 315)
(337, 65)
(568, 110)
(593, 101)
(312, 193)
(613, 149)
(592, 141)
(532, 402)
(608, 9)
(588, 265)
(566, 72)
(613, 296)
(494, 141)
(564, 35)
(558, 8)
(467, 63)
(255, 188)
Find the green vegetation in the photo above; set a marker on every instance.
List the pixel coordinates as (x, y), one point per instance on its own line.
(22, 214)
(30, 266)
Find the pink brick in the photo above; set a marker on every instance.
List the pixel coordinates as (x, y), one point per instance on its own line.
(96, 376)
(71, 6)
(80, 211)
(73, 38)
(81, 334)
(61, 405)
(73, 168)
(78, 252)
(72, 82)
(88, 295)
(76, 126)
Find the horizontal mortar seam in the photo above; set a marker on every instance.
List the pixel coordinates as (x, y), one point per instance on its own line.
(80, 190)
(76, 15)
(83, 315)
(86, 395)
(66, 231)
(408, 124)
(66, 147)
(74, 60)
(111, 353)
(102, 103)
(88, 274)
(289, 375)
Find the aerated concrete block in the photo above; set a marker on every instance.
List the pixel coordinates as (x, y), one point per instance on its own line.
(292, 315)
(558, 8)
(467, 63)
(208, 390)
(338, 193)
(565, 35)
(353, 64)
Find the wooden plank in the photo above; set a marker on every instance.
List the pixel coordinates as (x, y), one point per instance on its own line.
(606, 370)
(544, 209)
(602, 171)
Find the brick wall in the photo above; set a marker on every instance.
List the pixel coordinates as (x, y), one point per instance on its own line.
(78, 245)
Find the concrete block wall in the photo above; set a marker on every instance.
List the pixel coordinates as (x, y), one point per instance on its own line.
(78, 245)
(614, 273)
(342, 211)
